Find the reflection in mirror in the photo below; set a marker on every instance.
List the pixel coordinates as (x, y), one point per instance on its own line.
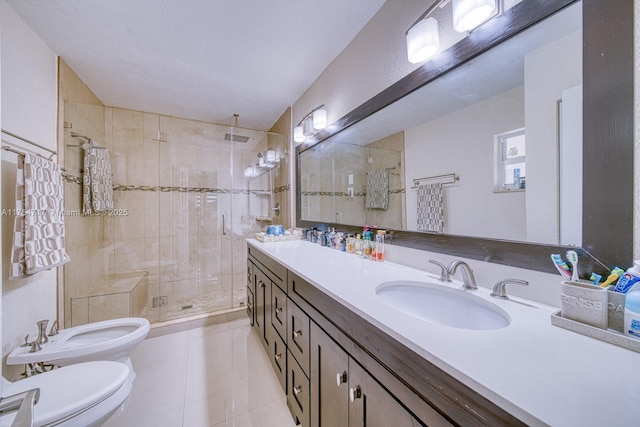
(460, 124)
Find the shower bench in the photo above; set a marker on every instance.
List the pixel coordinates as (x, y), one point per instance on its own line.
(112, 297)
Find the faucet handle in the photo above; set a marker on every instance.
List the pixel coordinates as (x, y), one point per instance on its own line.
(445, 276)
(26, 341)
(35, 346)
(54, 328)
(500, 288)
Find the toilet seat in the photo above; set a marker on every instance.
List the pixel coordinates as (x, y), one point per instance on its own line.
(78, 394)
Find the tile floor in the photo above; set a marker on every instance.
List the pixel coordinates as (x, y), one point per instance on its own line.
(215, 376)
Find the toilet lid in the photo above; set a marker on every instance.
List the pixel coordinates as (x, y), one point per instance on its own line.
(71, 389)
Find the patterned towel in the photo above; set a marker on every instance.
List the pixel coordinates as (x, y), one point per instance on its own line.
(378, 189)
(38, 238)
(97, 194)
(430, 208)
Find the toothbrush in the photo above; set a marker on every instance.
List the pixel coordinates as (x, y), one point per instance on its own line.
(572, 257)
(615, 274)
(595, 278)
(561, 266)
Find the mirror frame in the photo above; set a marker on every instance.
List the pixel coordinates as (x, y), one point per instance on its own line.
(608, 138)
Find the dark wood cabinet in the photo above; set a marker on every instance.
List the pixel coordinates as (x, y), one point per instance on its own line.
(329, 381)
(370, 405)
(338, 369)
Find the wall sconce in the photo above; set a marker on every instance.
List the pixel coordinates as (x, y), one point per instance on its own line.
(469, 14)
(311, 123)
(423, 38)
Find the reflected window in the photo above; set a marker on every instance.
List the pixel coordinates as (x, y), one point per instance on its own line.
(510, 167)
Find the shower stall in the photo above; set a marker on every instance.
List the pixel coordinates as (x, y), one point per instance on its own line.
(174, 244)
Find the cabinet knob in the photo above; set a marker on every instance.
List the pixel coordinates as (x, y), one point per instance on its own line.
(277, 357)
(355, 393)
(297, 390)
(261, 283)
(297, 333)
(341, 378)
(279, 310)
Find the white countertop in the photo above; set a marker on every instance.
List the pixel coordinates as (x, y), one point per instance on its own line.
(540, 373)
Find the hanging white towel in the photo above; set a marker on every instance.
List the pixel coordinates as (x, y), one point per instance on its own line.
(430, 208)
(38, 238)
(97, 187)
(378, 189)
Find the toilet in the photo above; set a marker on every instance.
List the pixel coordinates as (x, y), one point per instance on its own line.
(84, 394)
(106, 340)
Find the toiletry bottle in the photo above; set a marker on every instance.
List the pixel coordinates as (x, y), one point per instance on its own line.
(629, 278)
(380, 245)
(358, 245)
(367, 244)
(342, 238)
(351, 243)
(332, 238)
(632, 313)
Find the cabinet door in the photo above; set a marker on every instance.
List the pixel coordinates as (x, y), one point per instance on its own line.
(262, 306)
(370, 405)
(329, 381)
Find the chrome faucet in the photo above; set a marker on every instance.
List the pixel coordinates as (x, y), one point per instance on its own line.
(42, 332)
(444, 272)
(468, 280)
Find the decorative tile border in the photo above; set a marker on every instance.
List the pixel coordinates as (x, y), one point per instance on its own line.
(169, 189)
(343, 194)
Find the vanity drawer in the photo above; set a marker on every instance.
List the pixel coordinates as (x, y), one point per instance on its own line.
(298, 334)
(297, 392)
(279, 311)
(279, 360)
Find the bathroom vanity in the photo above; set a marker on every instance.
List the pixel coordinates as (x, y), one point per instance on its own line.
(345, 357)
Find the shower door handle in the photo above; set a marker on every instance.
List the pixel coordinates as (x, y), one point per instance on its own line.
(224, 230)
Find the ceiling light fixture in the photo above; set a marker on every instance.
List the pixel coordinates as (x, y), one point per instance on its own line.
(310, 124)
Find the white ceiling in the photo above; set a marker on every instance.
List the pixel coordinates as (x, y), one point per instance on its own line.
(199, 59)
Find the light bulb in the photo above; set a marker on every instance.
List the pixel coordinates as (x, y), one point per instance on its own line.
(423, 40)
(308, 129)
(248, 171)
(320, 119)
(298, 135)
(469, 14)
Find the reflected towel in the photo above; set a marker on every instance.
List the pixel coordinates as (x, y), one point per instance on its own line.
(378, 189)
(38, 237)
(430, 208)
(97, 194)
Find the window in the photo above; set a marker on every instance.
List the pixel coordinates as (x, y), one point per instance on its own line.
(510, 168)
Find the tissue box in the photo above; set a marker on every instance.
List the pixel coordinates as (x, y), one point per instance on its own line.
(585, 303)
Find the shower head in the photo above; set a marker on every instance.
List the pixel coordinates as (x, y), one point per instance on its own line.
(236, 138)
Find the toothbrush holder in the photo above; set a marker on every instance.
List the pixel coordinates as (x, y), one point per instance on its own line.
(584, 303)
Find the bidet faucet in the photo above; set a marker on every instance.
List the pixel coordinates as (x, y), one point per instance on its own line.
(468, 279)
(42, 332)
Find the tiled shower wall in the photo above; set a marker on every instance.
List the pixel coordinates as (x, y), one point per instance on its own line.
(183, 209)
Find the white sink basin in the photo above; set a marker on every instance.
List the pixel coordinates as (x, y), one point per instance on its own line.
(442, 305)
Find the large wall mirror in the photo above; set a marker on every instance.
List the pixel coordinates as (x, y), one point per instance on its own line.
(493, 131)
